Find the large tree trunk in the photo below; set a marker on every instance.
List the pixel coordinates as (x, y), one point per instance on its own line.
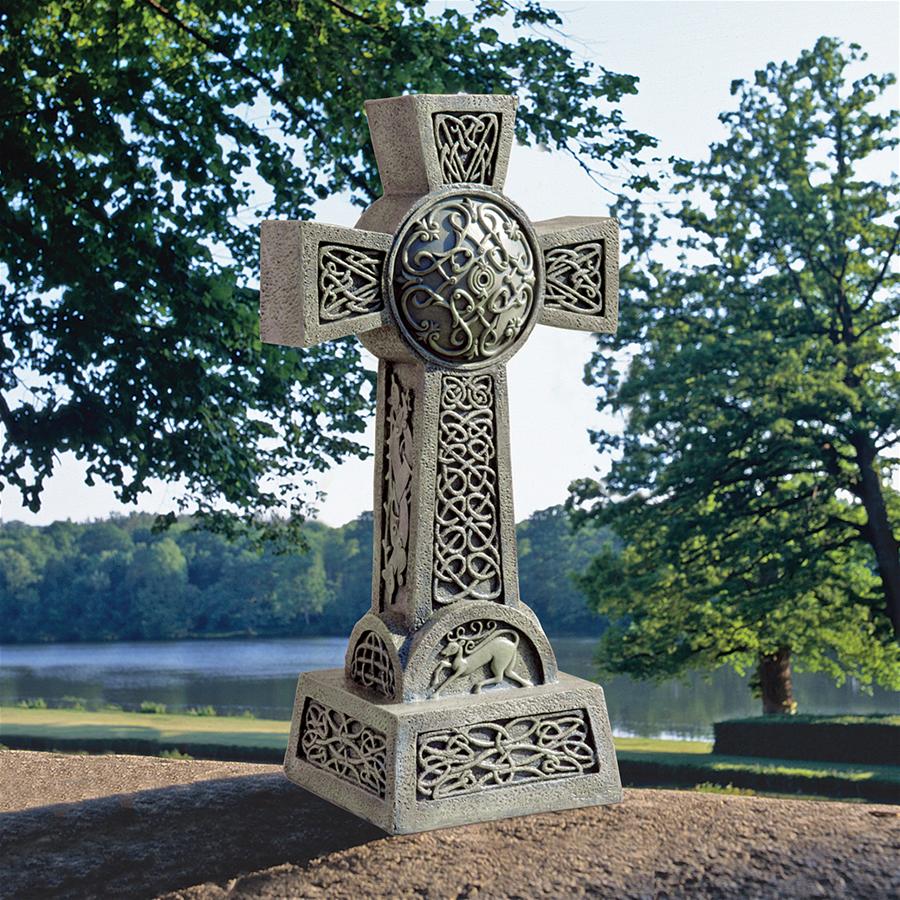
(878, 528)
(775, 685)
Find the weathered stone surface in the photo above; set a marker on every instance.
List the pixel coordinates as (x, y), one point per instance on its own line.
(115, 826)
(449, 761)
(443, 278)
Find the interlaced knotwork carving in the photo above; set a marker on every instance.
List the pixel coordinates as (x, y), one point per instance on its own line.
(503, 753)
(397, 490)
(574, 278)
(466, 523)
(371, 665)
(349, 282)
(467, 146)
(464, 279)
(473, 647)
(344, 746)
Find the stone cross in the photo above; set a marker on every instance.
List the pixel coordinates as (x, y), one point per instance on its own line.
(450, 707)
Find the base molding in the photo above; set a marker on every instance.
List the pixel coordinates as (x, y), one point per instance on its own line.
(409, 767)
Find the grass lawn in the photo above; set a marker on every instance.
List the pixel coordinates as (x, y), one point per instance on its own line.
(164, 728)
(225, 730)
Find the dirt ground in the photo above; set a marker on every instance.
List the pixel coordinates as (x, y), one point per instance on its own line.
(124, 826)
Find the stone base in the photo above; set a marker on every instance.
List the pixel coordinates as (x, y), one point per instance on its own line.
(410, 767)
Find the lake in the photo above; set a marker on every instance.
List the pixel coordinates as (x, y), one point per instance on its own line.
(260, 675)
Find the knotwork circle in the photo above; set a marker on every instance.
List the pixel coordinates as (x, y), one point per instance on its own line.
(465, 278)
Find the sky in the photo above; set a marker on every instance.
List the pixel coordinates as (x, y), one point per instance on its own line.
(686, 54)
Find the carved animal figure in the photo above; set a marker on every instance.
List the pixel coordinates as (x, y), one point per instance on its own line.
(497, 652)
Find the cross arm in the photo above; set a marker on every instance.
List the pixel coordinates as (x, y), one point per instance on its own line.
(320, 282)
(581, 263)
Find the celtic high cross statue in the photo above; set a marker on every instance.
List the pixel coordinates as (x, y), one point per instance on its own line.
(450, 708)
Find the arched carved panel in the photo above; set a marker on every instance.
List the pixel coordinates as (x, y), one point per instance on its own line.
(476, 647)
(372, 666)
(482, 654)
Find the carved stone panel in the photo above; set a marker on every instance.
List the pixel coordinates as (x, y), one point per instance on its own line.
(575, 278)
(371, 665)
(483, 654)
(467, 145)
(464, 275)
(504, 753)
(349, 282)
(338, 743)
(466, 517)
(397, 470)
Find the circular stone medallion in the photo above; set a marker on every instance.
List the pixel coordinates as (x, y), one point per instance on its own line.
(465, 278)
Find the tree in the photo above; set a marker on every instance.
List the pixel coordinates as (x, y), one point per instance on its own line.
(753, 491)
(130, 139)
(550, 555)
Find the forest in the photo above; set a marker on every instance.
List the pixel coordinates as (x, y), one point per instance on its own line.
(117, 579)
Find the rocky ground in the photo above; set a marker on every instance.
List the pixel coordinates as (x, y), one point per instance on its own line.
(123, 826)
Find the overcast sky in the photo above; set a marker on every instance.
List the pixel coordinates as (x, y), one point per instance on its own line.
(686, 55)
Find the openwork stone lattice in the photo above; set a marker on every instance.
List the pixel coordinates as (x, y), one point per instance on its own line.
(371, 665)
(339, 744)
(575, 279)
(467, 146)
(397, 491)
(464, 279)
(507, 752)
(482, 648)
(466, 539)
(349, 282)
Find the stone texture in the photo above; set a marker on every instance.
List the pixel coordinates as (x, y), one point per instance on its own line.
(443, 279)
(416, 766)
(115, 826)
(403, 136)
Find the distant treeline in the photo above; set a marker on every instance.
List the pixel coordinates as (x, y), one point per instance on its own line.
(118, 580)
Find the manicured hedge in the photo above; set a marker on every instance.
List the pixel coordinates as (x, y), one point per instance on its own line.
(871, 740)
(651, 771)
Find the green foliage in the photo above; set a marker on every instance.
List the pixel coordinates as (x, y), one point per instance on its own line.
(32, 703)
(128, 139)
(175, 753)
(550, 553)
(707, 787)
(752, 484)
(118, 579)
(201, 711)
(152, 708)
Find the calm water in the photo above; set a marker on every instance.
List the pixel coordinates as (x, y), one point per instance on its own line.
(260, 675)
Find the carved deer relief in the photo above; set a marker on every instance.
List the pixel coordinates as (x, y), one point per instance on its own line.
(497, 651)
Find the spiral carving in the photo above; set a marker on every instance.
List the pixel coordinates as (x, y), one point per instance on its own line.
(464, 280)
(466, 524)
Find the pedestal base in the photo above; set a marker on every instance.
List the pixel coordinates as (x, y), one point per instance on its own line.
(410, 767)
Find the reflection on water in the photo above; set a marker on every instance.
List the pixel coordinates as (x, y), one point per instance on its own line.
(260, 675)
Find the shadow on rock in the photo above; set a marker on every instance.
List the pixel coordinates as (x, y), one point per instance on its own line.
(143, 844)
